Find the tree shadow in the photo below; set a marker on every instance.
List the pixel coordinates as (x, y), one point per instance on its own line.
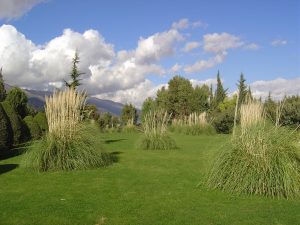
(18, 150)
(7, 167)
(113, 140)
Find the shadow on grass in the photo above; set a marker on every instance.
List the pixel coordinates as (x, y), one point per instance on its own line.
(115, 156)
(18, 150)
(113, 140)
(7, 167)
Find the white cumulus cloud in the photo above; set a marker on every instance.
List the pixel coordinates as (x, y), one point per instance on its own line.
(278, 87)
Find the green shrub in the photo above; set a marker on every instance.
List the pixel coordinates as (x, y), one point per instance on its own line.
(223, 121)
(4, 130)
(82, 151)
(41, 119)
(263, 160)
(17, 132)
(35, 131)
(18, 99)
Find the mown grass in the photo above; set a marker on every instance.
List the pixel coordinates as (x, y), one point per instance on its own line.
(141, 188)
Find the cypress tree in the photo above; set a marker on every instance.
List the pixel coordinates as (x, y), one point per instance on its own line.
(2, 87)
(242, 88)
(220, 93)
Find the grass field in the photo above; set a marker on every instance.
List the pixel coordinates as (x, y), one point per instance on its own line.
(141, 187)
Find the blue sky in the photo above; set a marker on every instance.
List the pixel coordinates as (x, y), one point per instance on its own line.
(264, 38)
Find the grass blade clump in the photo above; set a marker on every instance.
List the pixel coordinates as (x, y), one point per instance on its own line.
(155, 136)
(260, 159)
(194, 124)
(70, 144)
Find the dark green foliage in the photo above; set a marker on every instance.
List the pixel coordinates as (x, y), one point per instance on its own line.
(180, 93)
(129, 113)
(35, 131)
(200, 98)
(264, 161)
(83, 151)
(41, 119)
(291, 112)
(4, 130)
(2, 88)
(159, 142)
(17, 132)
(18, 99)
(91, 112)
(162, 98)
(220, 93)
(223, 121)
(148, 105)
(270, 108)
(75, 73)
(242, 90)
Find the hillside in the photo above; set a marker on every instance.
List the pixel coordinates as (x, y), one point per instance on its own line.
(37, 99)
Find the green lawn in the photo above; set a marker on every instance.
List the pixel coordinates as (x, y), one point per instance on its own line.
(142, 187)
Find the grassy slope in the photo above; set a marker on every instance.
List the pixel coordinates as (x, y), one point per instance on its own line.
(143, 187)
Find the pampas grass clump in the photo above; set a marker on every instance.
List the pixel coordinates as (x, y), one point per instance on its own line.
(260, 159)
(70, 144)
(194, 124)
(155, 132)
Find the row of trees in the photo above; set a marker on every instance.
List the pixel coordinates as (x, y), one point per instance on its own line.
(181, 99)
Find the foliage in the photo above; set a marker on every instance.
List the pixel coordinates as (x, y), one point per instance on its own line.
(220, 93)
(148, 105)
(290, 115)
(200, 99)
(242, 90)
(129, 115)
(4, 130)
(18, 99)
(82, 150)
(2, 87)
(35, 131)
(16, 131)
(75, 73)
(162, 98)
(223, 116)
(260, 159)
(180, 92)
(270, 107)
(91, 112)
(155, 132)
(41, 119)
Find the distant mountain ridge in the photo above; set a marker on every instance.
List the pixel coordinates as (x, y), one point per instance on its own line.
(37, 99)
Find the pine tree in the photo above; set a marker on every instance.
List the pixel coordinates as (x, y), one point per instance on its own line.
(75, 73)
(2, 87)
(220, 93)
(242, 89)
(249, 94)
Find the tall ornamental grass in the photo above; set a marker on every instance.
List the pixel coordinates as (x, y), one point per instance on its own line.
(194, 124)
(70, 144)
(260, 159)
(155, 137)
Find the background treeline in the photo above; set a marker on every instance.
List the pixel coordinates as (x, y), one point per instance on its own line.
(181, 99)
